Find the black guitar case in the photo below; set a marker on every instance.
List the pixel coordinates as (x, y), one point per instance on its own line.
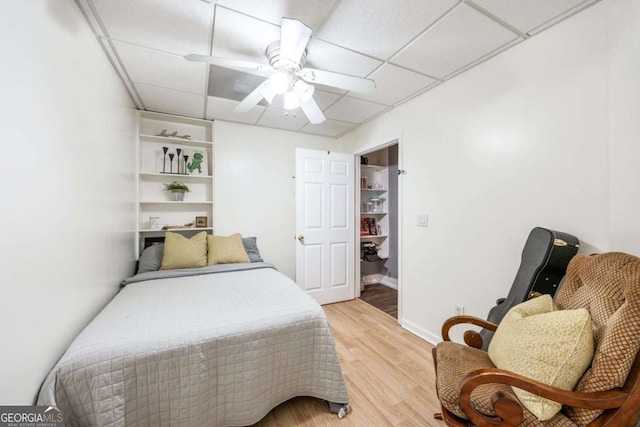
(545, 257)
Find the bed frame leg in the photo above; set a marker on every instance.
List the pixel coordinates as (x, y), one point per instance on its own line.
(340, 409)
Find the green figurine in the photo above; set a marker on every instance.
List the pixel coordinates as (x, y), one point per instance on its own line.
(195, 163)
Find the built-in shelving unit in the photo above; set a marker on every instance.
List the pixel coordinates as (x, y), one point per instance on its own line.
(155, 168)
(374, 183)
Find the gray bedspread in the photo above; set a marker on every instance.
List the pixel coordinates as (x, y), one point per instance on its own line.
(201, 350)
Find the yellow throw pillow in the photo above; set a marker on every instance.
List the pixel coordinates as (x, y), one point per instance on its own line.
(552, 346)
(182, 252)
(226, 249)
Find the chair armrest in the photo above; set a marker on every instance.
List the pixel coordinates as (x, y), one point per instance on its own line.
(510, 411)
(471, 338)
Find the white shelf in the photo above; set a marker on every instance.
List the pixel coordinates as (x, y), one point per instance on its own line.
(374, 236)
(176, 141)
(373, 213)
(381, 190)
(374, 167)
(151, 230)
(174, 175)
(171, 202)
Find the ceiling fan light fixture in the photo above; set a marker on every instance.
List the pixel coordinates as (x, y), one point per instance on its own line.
(279, 82)
(291, 101)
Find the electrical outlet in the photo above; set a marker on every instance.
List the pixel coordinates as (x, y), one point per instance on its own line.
(459, 309)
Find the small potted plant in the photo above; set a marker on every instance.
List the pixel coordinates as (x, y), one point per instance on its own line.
(177, 190)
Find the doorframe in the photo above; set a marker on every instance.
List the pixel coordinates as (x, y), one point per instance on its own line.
(369, 148)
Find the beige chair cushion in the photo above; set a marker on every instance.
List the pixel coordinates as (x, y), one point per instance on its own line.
(226, 249)
(608, 285)
(553, 347)
(182, 252)
(454, 361)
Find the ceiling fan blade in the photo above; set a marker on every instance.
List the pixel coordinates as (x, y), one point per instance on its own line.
(293, 39)
(342, 81)
(250, 100)
(263, 70)
(312, 111)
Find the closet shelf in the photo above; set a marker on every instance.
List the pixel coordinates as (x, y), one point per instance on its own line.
(374, 236)
(381, 190)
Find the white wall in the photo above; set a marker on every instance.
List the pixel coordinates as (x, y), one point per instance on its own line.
(67, 201)
(624, 124)
(255, 189)
(545, 134)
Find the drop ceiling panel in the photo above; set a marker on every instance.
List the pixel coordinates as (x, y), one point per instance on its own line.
(353, 110)
(280, 119)
(230, 84)
(462, 37)
(380, 27)
(329, 57)
(526, 15)
(329, 127)
(165, 25)
(222, 109)
(394, 84)
(171, 101)
(312, 13)
(242, 37)
(161, 69)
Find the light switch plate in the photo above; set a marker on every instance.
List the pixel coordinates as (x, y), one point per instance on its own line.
(422, 220)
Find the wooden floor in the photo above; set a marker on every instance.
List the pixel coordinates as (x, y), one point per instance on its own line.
(381, 297)
(389, 373)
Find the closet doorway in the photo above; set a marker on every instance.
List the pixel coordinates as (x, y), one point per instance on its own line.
(378, 207)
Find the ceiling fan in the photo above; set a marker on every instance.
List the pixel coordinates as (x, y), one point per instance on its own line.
(286, 75)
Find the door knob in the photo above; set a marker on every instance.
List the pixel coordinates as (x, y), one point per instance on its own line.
(300, 237)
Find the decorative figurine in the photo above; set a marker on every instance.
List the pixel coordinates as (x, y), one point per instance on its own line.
(196, 163)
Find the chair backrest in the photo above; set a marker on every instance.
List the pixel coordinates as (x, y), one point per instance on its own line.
(608, 286)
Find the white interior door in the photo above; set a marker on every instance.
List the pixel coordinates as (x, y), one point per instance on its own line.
(324, 224)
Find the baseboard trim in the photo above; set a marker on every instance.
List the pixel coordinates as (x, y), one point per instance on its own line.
(389, 282)
(420, 332)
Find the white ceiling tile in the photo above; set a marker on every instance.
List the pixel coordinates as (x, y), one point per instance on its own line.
(328, 128)
(380, 27)
(526, 15)
(242, 37)
(324, 99)
(161, 69)
(462, 37)
(171, 101)
(353, 110)
(329, 57)
(222, 109)
(312, 13)
(394, 84)
(289, 120)
(166, 25)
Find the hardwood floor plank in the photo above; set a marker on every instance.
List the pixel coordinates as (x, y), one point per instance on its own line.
(381, 297)
(389, 373)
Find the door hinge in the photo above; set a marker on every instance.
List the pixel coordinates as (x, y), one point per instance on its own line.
(402, 172)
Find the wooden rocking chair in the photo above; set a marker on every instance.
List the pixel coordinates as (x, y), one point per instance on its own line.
(472, 391)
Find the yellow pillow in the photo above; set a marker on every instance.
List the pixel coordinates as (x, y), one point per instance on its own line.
(182, 252)
(538, 342)
(226, 249)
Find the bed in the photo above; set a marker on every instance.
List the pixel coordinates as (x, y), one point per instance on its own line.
(219, 345)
